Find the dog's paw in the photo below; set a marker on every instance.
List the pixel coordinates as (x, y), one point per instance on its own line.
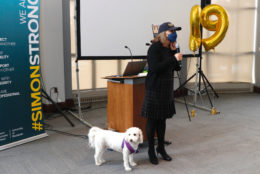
(128, 169)
(98, 163)
(102, 161)
(133, 164)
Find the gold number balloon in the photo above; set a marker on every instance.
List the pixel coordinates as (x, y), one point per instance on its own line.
(195, 36)
(220, 25)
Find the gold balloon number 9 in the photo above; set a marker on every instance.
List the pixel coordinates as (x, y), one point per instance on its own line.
(220, 26)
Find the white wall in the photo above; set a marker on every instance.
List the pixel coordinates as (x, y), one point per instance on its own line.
(54, 49)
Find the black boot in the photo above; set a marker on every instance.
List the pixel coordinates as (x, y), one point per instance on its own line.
(152, 157)
(161, 134)
(165, 156)
(150, 130)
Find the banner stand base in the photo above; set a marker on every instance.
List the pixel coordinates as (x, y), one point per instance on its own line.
(27, 140)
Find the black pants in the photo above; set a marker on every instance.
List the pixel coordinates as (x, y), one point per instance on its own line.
(158, 126)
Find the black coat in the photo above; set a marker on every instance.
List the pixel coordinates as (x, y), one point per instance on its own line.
(159, 98)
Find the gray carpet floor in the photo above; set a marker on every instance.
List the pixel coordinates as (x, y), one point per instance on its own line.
(227, 143)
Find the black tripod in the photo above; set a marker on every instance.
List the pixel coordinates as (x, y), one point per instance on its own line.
(184, 98)
(205, 81)
(46, 96)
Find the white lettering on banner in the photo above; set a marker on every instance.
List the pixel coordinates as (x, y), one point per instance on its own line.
(32, 13)
(22, 3)
(17, 129)
(33, 38)
(7, 69)
(7, 43)
(6, 83)
(5, 78)
(4, 65)
(34, 60)
(17, 135)
(4, 56)
(31, 24)
(3, 91)
(17, 132)
(9, 95)
(2, 133)
(3, 39)
(22, 12)
(3, 136)
(33, 2)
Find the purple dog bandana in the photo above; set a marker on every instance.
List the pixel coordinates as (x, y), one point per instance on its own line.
(129, 147)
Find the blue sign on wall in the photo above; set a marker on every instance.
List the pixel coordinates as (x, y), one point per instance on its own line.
(21, 118)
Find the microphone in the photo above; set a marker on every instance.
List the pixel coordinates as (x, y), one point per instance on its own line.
(147, 44)
(129, 51)
(177, 47)
(177, 28)
(177, 51)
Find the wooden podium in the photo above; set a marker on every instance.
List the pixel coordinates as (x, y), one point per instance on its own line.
(125, 100)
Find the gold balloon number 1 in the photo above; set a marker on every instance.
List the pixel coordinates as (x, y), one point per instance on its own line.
(220, 26)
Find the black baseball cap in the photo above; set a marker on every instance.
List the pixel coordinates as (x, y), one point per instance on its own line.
(168, 26)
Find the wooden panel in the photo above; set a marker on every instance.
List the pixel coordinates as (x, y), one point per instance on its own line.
(120, 107)
(124, 106)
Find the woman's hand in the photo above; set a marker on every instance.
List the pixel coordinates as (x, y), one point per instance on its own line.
(178, 56)
(173, 46)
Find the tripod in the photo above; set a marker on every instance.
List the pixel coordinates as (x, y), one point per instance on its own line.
(202, 78)
(184, 98)
(80, 115)
(46, 96)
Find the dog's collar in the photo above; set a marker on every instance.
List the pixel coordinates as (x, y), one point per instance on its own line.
(128, 145)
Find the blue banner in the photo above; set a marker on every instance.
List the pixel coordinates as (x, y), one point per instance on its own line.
(21, 117)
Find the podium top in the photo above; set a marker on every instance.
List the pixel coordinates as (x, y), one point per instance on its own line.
(132, 80)
(117, 77)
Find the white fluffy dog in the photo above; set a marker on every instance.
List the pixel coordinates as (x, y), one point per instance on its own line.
(126, 142)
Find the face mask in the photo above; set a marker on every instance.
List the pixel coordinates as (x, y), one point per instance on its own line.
(172, 37)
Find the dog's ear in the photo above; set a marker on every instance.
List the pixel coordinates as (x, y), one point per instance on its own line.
(141, 139)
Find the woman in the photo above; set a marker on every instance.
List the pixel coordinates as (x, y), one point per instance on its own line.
(159, 100)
